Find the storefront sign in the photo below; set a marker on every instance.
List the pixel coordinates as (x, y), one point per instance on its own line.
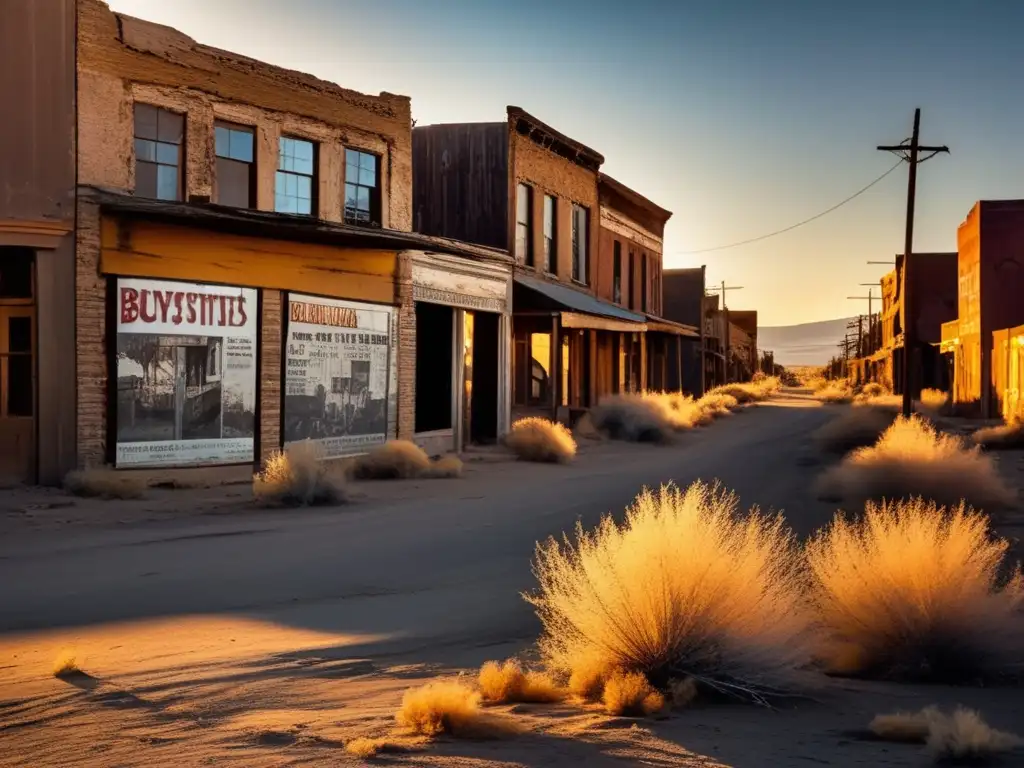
(337, 374)
(186, 374)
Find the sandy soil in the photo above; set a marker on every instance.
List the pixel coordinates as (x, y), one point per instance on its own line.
(215, 634)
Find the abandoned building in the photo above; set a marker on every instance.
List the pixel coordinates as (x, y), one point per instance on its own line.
(683, 297)
(234, 268)
(587, 254)
(984, 343)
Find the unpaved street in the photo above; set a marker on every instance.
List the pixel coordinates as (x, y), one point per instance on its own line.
(257, 638)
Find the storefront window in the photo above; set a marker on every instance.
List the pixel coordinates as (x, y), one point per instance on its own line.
(540, 365)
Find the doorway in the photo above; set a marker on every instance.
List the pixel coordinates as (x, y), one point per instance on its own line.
(483, 422)
(435, 342)
(17, 365)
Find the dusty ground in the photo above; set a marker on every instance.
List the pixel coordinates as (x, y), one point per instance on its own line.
(216, 634)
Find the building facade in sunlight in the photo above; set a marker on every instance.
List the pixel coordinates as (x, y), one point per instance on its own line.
(234, 270)
(587, 252)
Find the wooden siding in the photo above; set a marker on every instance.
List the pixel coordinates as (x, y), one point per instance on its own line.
(460, 182)
(148, 249)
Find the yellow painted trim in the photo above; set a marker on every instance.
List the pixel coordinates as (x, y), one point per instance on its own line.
(171, 252)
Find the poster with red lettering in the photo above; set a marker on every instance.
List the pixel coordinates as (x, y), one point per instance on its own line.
(339, 379)
(186, 373)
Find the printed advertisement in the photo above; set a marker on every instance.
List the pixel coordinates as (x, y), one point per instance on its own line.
(186, 374)
(338, 369)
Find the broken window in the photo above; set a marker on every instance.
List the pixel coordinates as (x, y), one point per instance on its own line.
(550, 234)
(236, 179)
(580, 216)
(362, 188)
(524, 235)
(159, 140)
(295, 183)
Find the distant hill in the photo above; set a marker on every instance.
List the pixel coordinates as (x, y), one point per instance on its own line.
(806, 344)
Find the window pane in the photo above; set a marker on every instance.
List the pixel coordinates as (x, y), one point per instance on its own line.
(522, 204)
(19, 385)
(363, 199)
(351, 173)
(549, 216)
(16, 272)
(283, 154)
(145, 179)
(283, 203)
(233, 183)
(19, 334)
(304, 187)
(351, 157)
(368, 176)
(241, 146)
(145, 121)
(303, 151)
(305, 207)
(145, 150)
(350, 196)
(170, 126)
(166, 153)
(223, 141)
(167, 182)
(367, 161)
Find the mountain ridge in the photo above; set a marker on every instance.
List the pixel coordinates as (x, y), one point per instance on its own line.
(804, 343)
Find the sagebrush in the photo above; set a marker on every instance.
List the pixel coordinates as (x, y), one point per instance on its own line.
(297, 477)
(912, 458)
(629, 693)
(963, 735)
(632, 418)
(403, 460)
(915, 590)
(451, 707)
(509, 683)
(684, 586)
(541, 440)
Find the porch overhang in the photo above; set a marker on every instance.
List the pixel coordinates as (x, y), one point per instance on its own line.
(661, 325)
(576, 308)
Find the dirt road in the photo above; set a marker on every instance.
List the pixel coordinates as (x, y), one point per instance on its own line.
(266, 639)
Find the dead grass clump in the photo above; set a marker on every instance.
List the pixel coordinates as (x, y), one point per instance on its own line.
(403, 460)
(743, 393)
(1005, 437)
(718, 404)
(449, 707)
(509, 683)
(66, 665)
(586, 678)
(104, 483)
(855, 428)
(912, 458)
(536, 439)
(367, 748)
(297, 477)
(873, 389)
(834, 393)
(912, 590)
(933, 401)
(683, 587)
(632, 418)
(962, 735)
(680, 411)
(629, 693)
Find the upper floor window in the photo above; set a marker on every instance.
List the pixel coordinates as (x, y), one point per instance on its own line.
(580, 220)
(632, 279)
(524, 221)
(296, 176)
(362, 188)
(159, 140)
(617, 272)
(643, 282)
(236, 179)
(550, 235)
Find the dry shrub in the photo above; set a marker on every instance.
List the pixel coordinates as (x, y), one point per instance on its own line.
(536, 439)
(66, 665)
(403, 460)
(587, 675)
(873, 389)
(297, 477)
(718, 404)
(887, 401)
(854, 428)
(912, 590)
(367, 748)
(912, 458)
(104, 483)
(632, 418)
(962, 735)
(933, 400)
(743, 393)
(834, 392)
(585, 429)
(684, 586)
(1005, 437)
(509, 683)
(680, 411)
(448, 706)
(682, 693)
(629, 693)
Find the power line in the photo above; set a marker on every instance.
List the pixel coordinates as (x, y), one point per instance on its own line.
(855, 195)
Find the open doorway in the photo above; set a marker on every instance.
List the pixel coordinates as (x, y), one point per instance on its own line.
(435, 342)
(17, 365)
(484, 407)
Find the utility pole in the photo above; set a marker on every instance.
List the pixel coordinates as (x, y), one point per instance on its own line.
(871, 314)
(910, 152)
(725, 315)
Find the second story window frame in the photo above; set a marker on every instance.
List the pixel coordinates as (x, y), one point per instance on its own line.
(550, 234)
(296, 178)
(580, 243)
(235, 151)
(617, 272)
(362, 188)
(524, 224)
(159, 136)
(643, 281)
(632, 279)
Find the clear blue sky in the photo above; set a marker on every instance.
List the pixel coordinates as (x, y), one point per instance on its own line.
(740, 116)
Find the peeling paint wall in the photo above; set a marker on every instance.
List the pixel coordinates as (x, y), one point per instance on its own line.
(123, 60)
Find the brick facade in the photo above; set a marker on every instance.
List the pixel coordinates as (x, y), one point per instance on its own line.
(269, 382)
(405, 322)
(91, 322)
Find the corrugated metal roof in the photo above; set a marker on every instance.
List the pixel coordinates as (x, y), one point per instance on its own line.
(577, 301)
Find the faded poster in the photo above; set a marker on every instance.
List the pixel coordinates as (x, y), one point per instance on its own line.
(186, 374)
(337, 363)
